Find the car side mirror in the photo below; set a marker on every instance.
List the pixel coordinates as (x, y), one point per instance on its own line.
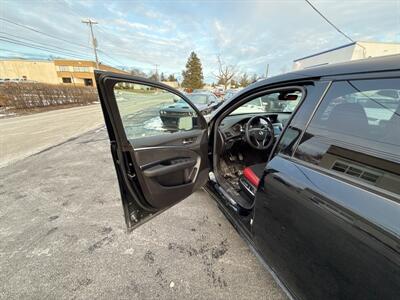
(185, 123)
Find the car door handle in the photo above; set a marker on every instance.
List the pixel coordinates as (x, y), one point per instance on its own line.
(173, 166)
(188, 141)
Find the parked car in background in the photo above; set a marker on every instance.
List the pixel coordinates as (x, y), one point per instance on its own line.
(205, 102)
(230, 93)
(219, 92)
(305, 165)
(200, 91)
(15, 80)
(5, 80)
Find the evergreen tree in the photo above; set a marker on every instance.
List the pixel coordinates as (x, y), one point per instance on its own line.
(154, 76)
(172, 78)
(162, 77)
(193, 75)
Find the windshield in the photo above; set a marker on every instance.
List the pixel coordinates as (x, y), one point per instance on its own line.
(198, 99)
(271, 103)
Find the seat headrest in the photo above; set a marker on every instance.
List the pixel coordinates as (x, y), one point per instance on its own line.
(347, 117)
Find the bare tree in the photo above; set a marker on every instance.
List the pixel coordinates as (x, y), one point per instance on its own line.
(254, 78)
(244, 80)
(137, 72)
(225, 72)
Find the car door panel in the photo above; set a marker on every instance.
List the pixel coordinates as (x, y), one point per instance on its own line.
(319, 245)
(191, 138)
(156, 171)
(170, 171)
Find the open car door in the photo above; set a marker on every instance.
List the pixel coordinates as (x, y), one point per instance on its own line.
(159, 143)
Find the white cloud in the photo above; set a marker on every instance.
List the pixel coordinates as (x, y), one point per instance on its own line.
(134, 25)
(247, 34)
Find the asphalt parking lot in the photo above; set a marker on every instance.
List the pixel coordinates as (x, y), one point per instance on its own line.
(62, 235)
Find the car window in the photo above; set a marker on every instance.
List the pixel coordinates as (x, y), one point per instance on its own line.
(198, 99)
(271, 103)
(146, 111)
(355, 133)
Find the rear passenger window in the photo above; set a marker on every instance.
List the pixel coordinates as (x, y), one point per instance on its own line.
(355, 132)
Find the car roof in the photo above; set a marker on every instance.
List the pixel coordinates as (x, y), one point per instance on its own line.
(384, 63)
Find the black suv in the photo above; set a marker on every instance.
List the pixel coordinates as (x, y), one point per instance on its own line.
(305, 165)
(170, 113)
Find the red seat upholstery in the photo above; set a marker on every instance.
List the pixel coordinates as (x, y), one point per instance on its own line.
(251, 177)
(253, 173)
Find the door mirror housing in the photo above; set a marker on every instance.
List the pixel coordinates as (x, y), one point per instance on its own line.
(185, 123)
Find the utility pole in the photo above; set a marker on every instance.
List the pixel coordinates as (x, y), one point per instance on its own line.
(266, 72)
(94, 41)
(157, 71)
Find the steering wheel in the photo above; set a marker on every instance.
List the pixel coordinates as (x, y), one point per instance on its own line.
(259, 136)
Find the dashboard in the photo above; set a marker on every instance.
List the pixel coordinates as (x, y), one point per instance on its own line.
(233, 126)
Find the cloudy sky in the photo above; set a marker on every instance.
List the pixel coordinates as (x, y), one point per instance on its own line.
(141, 34)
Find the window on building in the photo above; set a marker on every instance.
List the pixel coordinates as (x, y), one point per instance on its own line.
(66, 80)
(81, 69)
(355, 133)
(88, 81)
(63, 68)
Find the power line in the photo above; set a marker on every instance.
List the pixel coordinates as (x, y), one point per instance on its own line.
(39, 43)
(16, 42)
(104, 30)
(19, 42)
(329, 22)
(45, 47)
(99, 27)
(110, 57)
(76, 13)
(51, 36)
(43, 33)
(13, 51)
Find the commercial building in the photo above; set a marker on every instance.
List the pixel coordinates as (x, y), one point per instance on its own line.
(36, 70)
(173, 84)
(70, 72)
(79, 72)
(348, 52)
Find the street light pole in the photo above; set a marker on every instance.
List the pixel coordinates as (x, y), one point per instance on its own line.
(94, 41)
